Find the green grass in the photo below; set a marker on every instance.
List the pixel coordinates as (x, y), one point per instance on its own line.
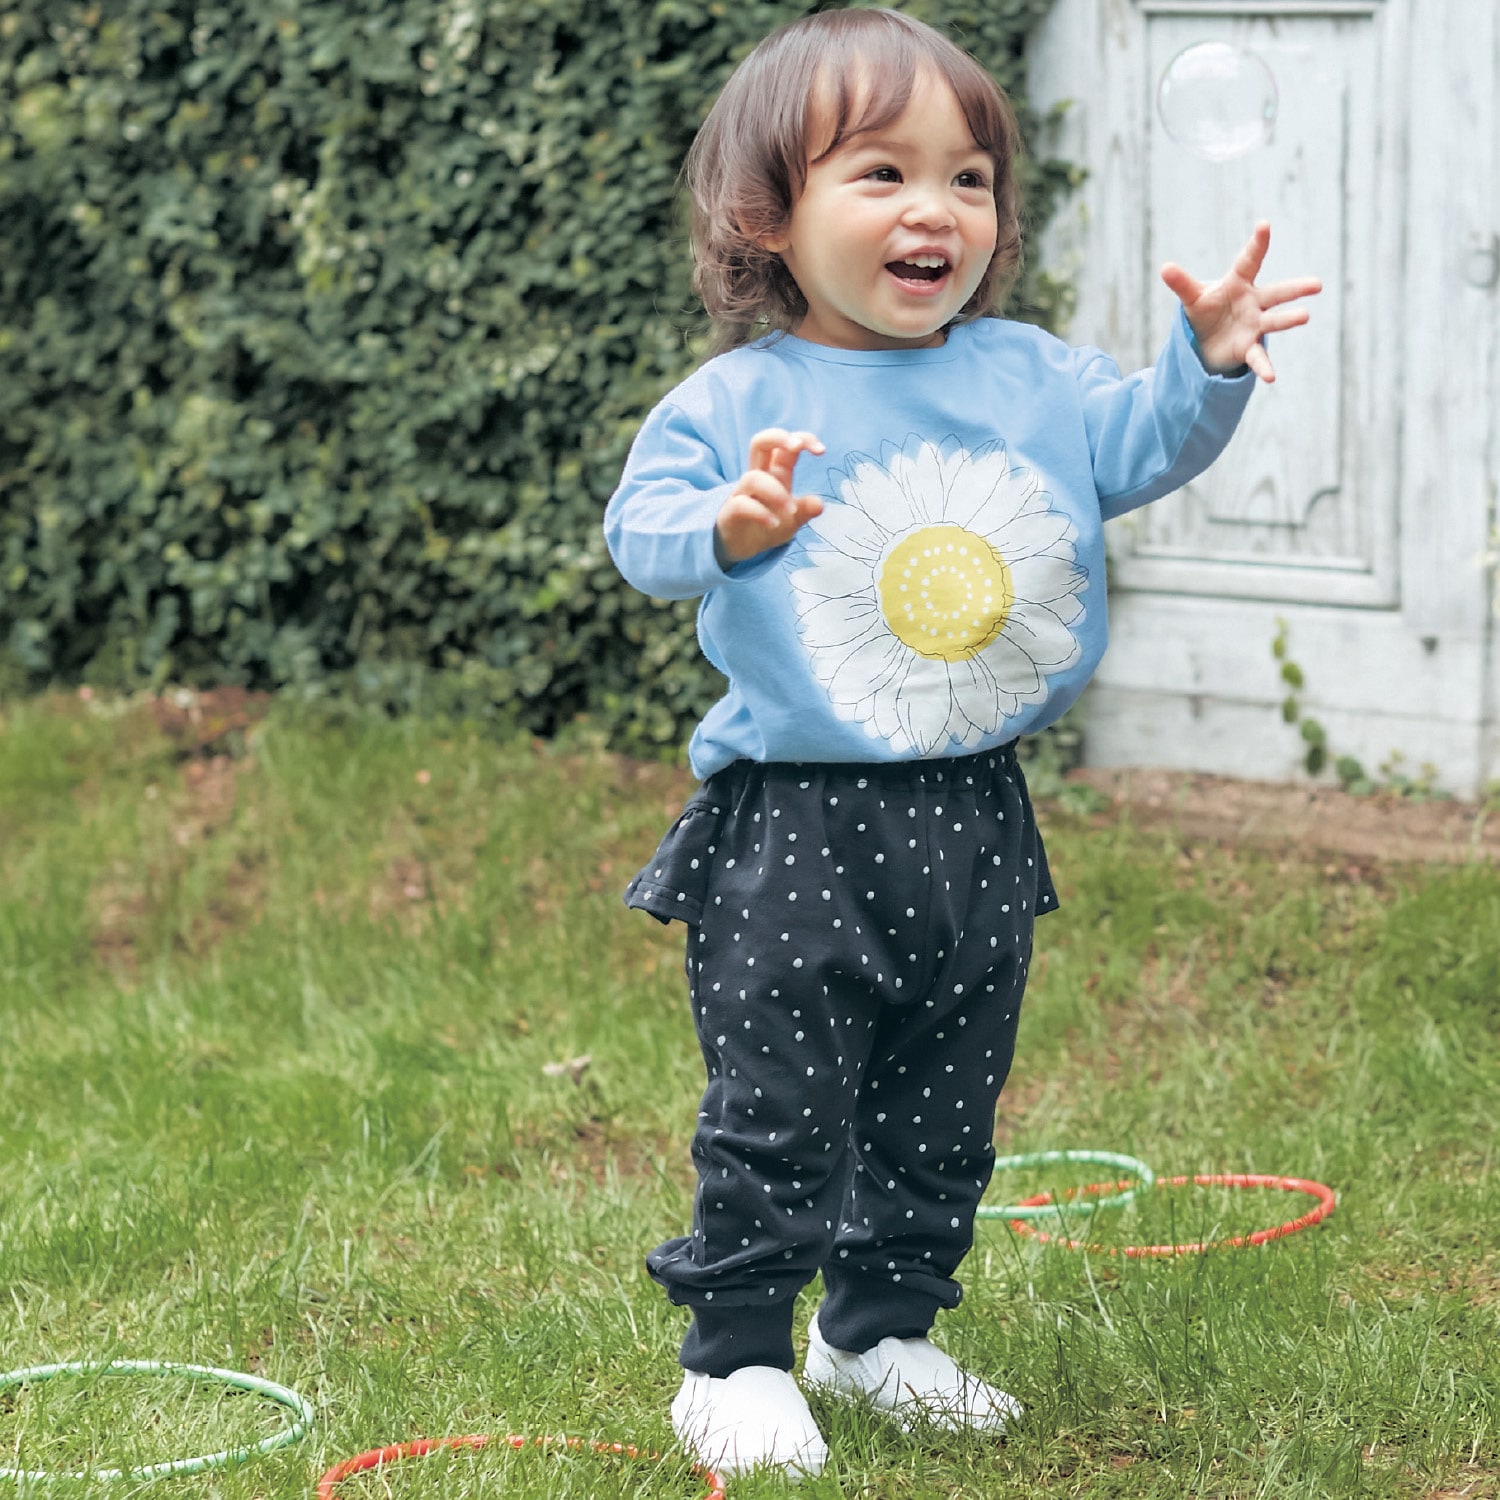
(273, 1032)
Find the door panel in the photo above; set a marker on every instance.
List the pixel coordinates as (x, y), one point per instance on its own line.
(1303, 504)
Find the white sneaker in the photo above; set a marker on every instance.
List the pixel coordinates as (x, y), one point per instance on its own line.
(757, 1415)
(909, 1377)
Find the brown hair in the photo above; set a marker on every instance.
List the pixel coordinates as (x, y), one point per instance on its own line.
(749, 160)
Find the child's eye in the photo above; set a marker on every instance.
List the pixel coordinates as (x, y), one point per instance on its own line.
(971, 180)
(884, 174)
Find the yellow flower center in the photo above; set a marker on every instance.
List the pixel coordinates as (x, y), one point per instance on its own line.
(945, 592)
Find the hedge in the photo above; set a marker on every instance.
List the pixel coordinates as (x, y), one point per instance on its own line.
(325, 326)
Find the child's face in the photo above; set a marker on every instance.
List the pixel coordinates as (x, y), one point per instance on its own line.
(919, 188)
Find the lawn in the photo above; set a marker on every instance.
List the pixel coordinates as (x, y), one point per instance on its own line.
(331, 1054)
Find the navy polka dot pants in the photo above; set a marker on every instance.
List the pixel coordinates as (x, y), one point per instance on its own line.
(858, 941)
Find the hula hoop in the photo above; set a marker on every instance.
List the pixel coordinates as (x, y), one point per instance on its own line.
(236, 1381)
(1043, 1206)
(1327, 1202)
(419, 1448)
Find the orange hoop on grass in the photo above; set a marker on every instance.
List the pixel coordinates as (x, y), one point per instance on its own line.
(1327, 1202)
(421, 1447)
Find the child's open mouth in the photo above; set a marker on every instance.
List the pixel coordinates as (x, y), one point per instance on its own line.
(922, 271)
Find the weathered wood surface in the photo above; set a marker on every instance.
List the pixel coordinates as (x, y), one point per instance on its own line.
(1356, 501)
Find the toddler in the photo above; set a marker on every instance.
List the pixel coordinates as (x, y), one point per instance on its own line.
(860, 869)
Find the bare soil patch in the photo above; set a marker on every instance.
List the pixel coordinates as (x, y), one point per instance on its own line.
(1298, 818)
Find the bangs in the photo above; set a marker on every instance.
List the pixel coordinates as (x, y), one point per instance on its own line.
(865, 77)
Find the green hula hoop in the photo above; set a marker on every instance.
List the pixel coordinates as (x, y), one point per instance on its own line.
(280, 1394)
(1136, 1168)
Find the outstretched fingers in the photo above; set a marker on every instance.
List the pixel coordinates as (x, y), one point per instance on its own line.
(775, 451)
(1259, 363)
(1185, 287)
(1248, 262)
(770, 500)
(1289, 291)
(1279, 322)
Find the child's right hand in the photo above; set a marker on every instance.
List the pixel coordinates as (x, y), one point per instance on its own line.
(761, 511)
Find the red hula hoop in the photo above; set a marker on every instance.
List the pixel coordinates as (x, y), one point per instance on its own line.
(1327, 1202)
(421, 1447)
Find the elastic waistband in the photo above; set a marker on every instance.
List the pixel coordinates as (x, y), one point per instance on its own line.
(894, 775)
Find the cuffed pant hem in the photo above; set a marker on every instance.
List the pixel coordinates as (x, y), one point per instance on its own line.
(856, 1316)
(725, 1339)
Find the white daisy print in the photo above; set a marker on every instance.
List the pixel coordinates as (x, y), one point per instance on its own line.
(937, 594)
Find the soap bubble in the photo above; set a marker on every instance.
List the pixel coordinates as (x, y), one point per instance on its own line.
(1217, 100)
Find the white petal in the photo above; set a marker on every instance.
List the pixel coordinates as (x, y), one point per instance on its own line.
(919, 470)
(835, 623)
(926, 722)
(1045, 577)
(878, 495)
(884, 717)
(924, 707)
(976, 696)
(1012, 669)
(832, 575)
(987, 495)
(1066, 604)
(1027, 535)
(1041, 635)
(847, 529)
(866, 669)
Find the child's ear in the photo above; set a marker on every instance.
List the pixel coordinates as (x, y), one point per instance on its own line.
(775, 240)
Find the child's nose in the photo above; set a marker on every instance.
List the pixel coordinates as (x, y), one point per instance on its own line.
(928, 207)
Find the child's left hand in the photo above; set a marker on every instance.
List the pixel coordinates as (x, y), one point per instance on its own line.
(1231, 316)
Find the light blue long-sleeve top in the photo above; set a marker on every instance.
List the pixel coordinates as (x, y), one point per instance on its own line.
(951, 595)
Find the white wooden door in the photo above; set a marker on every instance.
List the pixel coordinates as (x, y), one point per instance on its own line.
(1354, 501)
